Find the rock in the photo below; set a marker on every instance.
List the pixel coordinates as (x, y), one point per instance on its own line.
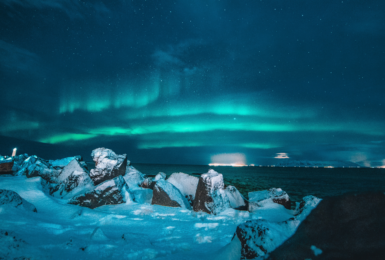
(110, 192)
(37, 167)
(11, 198)
(351, 226)
(259, 237)
(6, 165)
(108, 165)
(235, 198)
(18, 162)
(274, 195)
(133, 177)
(160, 175)
(142, 195)
(186, 184)
(210, 196)
(72, 180)
(148, 183)
(166, 194)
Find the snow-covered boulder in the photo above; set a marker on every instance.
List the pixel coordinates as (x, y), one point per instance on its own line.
(259, 237)
(350, 226)
(11, 198)
(23, 168)
(110, 192)
(142, 195)
(133, 177)
(72, 180)
(166, 194)
(38, 167)
(235, 198)
(108, 165)
(64, 162)
(259, 199)
(160, 175)
(210, 195)
(186, 184)
(18, 161)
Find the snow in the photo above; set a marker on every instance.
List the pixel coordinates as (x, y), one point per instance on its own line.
(127, 231)
(264, 198)
(11, 198)
(133, 177)
(185, 183)
(235, 198)
(214, 179)
(159, 176)
(220, 202)
(70, 169)
(63, 162)
(142, 195)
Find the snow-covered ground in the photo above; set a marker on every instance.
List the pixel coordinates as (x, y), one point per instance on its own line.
(134, 231)
(127, 231)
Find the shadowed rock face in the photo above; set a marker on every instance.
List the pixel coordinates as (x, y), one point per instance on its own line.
(166, 194)
(99, 174)
(160, 197)
(345, 227)
(210, 196)
(107, 193)
(202, 196)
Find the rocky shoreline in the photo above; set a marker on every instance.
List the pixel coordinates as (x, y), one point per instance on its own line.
(114, 181)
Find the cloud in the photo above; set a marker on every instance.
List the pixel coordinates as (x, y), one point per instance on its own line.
(229, 158)
(73, 9)
(282, 156)
(19, 59)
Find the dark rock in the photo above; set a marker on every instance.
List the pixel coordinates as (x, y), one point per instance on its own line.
(41, 168)
(110, 192)
(73, 180)
(345, 227)
(252, 235)
(259, 237)
(11, 198)
(148, 183)
(166, 194)
(210, 196)
(108, 165)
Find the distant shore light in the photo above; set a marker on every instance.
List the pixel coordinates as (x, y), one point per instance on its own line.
(14, 152)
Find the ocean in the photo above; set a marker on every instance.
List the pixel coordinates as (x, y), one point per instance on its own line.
(297, 182)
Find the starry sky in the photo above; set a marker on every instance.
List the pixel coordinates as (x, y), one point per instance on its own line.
(196, 82)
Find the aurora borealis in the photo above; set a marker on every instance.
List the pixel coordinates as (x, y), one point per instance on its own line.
(183, 81)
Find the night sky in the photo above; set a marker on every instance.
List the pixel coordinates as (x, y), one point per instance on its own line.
(194, 82)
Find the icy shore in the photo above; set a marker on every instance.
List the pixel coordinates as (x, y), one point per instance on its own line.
(131, 226)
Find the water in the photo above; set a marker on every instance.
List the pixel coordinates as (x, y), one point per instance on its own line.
(297, 182)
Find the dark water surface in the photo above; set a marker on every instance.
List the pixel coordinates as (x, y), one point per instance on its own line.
(297, 182)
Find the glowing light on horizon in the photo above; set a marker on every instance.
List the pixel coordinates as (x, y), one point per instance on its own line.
(231, 164)
(228, 159)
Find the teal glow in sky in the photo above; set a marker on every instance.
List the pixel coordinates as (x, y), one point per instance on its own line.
(192, 79)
